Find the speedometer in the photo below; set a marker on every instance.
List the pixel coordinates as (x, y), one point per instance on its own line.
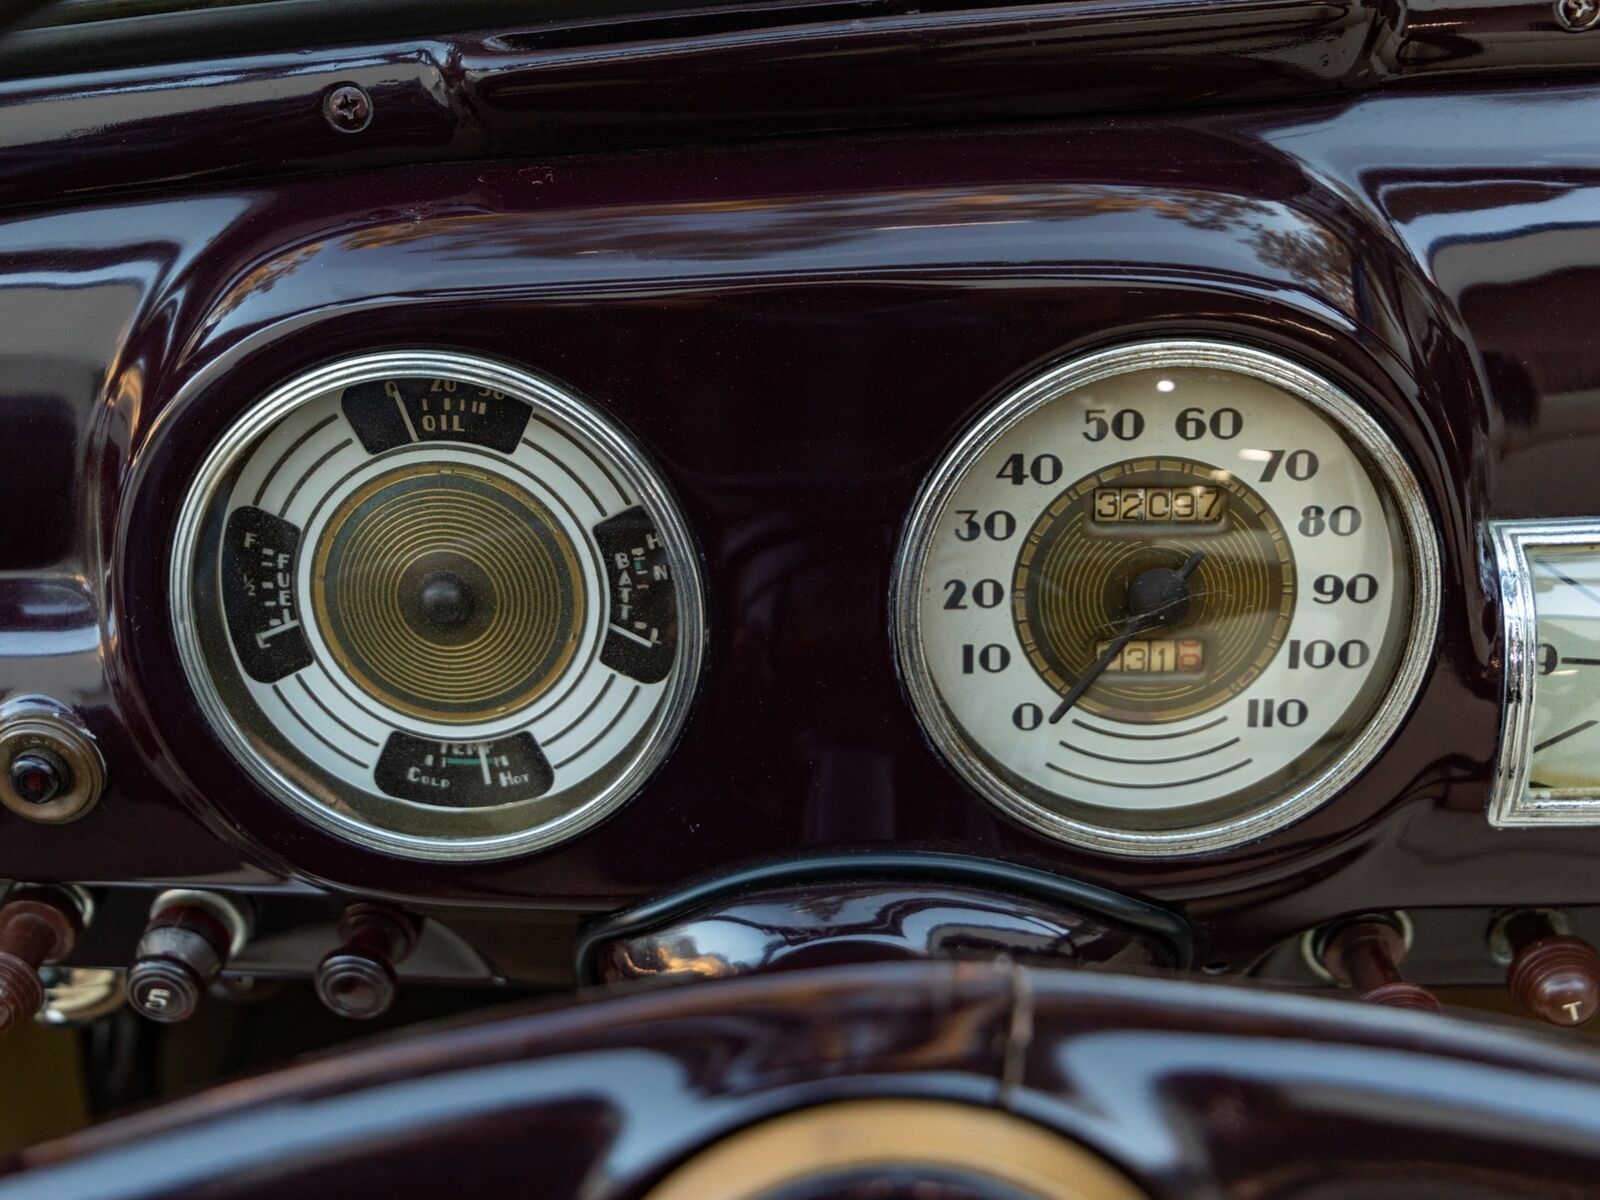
(437, 604)
(1167, 598)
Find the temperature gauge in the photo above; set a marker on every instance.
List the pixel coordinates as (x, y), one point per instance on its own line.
(463, 774)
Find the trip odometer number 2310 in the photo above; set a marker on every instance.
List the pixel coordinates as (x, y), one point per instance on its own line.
(1167, 598)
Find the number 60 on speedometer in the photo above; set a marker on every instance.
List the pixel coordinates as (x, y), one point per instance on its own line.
(1167, 598)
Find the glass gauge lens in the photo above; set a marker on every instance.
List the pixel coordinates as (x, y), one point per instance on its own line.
(1549, 576)
(1563, 762)
(1167, 598)
(437, 604)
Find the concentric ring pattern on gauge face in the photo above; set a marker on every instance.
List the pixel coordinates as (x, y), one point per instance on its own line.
(1167, 598)
(437, 604)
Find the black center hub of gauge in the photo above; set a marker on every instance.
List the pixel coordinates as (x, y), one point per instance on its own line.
(444, 601)
(1160, 593)
(447, 598)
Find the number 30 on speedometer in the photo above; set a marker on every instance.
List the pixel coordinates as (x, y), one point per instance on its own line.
(1167, 598)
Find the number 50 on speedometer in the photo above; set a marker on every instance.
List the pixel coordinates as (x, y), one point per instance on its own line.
(1167, 598)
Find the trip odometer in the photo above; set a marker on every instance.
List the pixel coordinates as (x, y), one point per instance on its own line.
(437, 604)
(1167, 598)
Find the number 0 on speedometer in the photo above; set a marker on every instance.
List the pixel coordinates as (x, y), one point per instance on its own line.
(1167, 598)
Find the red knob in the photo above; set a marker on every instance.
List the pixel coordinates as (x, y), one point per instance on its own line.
(1553, 976)
(36, 928)
(1365, 954)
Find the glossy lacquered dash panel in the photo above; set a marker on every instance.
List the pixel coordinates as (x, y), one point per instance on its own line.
(127, 111)
(795, 332)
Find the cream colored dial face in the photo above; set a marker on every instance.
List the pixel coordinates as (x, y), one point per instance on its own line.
(1157, 600)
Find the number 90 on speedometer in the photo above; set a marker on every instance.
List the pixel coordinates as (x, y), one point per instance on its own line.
(1167, 598)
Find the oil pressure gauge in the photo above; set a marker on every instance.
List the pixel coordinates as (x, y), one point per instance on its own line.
(1167, 598)
(437, 604)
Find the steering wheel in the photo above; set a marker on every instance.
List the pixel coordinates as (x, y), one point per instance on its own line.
(927, 1080)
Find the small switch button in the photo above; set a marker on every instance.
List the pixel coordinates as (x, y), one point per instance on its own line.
(38, 776)
(50, 768)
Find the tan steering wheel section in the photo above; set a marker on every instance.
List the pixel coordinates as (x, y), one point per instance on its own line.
(857, 1134)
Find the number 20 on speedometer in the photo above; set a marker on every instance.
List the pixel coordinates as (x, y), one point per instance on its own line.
(1167, 598)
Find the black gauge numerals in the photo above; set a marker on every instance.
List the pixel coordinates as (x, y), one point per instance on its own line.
(642, 636)
(257, 570)
(463, 774)
(395, 412)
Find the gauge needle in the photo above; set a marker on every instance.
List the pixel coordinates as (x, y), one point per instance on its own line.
(1570, 581)
(1157, 597)
(1563, 736)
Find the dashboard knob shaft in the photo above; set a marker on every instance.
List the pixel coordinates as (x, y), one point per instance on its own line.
(40, 926)
(358, 979)
(1365, 954)
(1553, 975)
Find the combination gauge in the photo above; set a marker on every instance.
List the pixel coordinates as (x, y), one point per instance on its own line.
(437, 604)
(1167, 598)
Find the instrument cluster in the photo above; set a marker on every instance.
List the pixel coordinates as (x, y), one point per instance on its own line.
(1160, 599)
(525, 547)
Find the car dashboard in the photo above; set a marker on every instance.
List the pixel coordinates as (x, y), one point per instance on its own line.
(489, 505)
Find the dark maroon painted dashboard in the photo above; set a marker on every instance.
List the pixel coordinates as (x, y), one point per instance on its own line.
(794, 330)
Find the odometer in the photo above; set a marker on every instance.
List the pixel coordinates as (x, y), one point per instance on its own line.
(1168, 597)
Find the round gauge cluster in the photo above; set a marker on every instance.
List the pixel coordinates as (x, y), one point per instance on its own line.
(1167, 598)
(437, 605)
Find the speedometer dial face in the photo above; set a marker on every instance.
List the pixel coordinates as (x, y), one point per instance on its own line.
(437, 604)
(1167, 598)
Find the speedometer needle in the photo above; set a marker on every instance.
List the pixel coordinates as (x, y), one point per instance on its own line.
(1159, 596)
